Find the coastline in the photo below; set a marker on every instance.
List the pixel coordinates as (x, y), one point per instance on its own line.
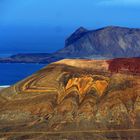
(4, 86)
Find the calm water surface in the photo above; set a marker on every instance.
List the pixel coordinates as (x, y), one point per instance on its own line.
(12, 73)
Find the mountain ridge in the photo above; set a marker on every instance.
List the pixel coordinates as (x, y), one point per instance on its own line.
(108, 42)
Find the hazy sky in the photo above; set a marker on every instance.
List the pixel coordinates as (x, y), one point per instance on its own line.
(43, 25)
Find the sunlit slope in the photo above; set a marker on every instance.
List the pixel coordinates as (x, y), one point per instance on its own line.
(75, 95)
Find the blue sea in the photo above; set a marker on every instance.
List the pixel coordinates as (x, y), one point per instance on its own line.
(12, 73)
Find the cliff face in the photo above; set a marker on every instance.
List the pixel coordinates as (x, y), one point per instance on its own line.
(76, 99)
(106, 42)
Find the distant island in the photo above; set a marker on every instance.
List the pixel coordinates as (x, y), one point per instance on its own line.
(107, 42)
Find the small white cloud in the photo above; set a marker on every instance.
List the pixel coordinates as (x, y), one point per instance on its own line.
(119, 2)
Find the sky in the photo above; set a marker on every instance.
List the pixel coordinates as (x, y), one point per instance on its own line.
(43, 25)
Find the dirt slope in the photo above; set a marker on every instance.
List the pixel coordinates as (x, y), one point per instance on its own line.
(75, 99)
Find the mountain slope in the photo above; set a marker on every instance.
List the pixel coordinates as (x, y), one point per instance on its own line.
(75, 99)
(108, 42)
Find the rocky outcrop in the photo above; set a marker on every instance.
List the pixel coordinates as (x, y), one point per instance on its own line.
(71, 97)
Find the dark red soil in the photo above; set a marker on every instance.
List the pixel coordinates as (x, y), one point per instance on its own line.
(125, 65)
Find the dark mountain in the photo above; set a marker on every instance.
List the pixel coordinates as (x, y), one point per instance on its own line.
(108, 42)
(76, 35)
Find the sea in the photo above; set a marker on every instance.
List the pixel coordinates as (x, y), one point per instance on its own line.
(11, 73)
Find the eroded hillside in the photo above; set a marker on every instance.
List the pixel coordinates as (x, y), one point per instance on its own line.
(75, 96)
